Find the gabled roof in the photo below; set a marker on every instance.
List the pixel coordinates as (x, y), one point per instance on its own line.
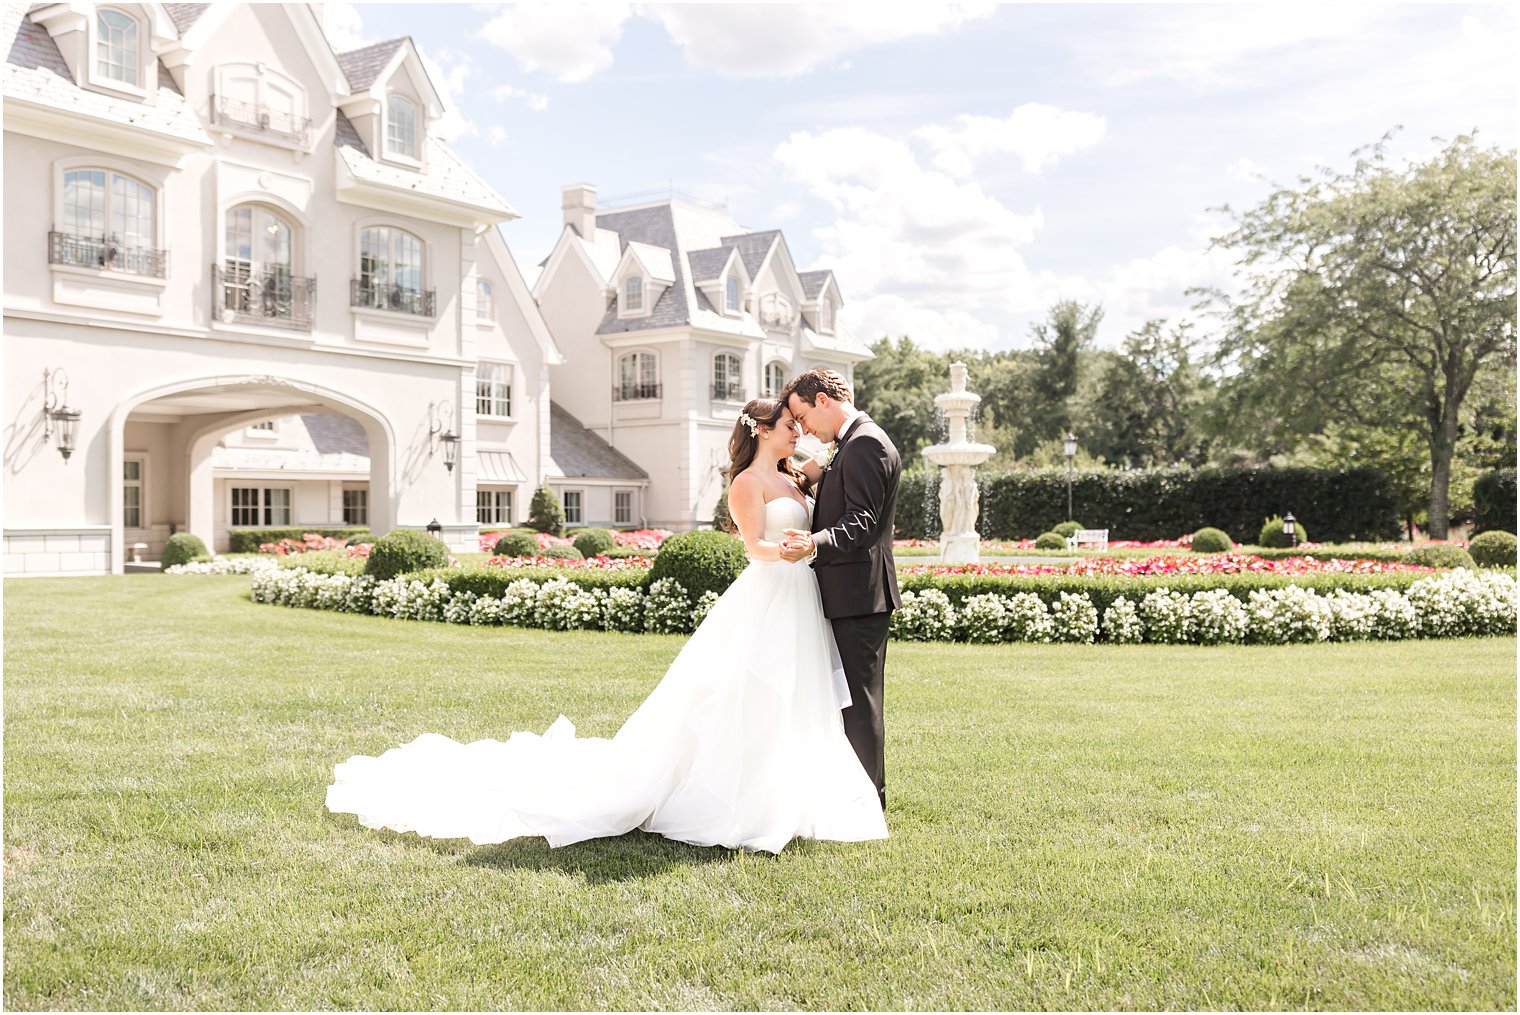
(813, 282)
(577, 452)
(656, 260)
(361, 66)
(345, 136)
(709, 264)
(185, 15)
(654, 226)
(753, 247)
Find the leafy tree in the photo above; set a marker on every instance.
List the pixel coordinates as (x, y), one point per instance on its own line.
(1373, 298)
(898, 387)
(1145, 409)
(1060, 342)
(545, 513)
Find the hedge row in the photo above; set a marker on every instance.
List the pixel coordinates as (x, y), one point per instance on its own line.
(248, 540)
(1337, 505)
(1494, 501)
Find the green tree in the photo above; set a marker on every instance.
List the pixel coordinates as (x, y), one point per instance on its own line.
(1373, 298)
(1146, 404)
(1060, 342)
(898, 387)
(545, 513)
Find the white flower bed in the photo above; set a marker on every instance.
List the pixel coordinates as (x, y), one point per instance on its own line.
(225, 565)
(1453, 604)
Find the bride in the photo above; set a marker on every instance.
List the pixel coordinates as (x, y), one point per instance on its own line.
(740, 745)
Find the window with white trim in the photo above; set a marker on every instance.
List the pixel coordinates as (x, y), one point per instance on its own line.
(259, 507)
(633, 293)
(638, 376)
(132, 470)
(493, 506)
(392, 272)
(355, 507)
(775, 378)
(622, 507)
(116, 52)
(731, 294)
(572, 504)
(401, 126)
(726, 381)
(493, 389)
(108, 220)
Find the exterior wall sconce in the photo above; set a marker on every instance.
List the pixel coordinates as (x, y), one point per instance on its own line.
(441, 431)
(57, 410)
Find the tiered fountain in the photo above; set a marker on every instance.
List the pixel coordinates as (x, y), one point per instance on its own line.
(959, 457)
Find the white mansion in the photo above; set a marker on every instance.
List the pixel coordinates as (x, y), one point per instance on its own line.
(245, 288)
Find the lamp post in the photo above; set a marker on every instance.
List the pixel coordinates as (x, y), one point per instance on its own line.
(434, 529)
(1290, 528)
(1069, 445)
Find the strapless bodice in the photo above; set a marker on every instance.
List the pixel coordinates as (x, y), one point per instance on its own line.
(786, 513)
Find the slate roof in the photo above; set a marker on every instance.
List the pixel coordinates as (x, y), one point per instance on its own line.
(706, 264)
(446, 176)
(345, 136)
(813, 282)
(577, 452)
(361, 66)
(333, 434)
(656, 227)
(753, 247)
(185, 15)
(32, 47)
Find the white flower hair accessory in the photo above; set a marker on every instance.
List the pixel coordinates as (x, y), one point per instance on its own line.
(749, 421)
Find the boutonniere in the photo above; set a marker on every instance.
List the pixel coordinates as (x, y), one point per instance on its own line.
(825, 458)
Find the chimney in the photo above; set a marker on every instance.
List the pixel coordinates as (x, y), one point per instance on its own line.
(580, 209)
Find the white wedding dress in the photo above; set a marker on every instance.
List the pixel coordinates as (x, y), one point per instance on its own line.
(740, 745)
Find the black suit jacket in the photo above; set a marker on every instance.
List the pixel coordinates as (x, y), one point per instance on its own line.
(854, 521)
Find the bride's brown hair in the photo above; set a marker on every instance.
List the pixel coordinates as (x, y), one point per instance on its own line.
(742, 445)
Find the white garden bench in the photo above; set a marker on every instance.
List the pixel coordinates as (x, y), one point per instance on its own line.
(1096, 536)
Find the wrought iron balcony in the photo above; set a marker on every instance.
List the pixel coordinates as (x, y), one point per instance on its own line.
(635, 392)
(728, 391)
(378, 296)
(106, 252)
(257, 119)
(273, 298)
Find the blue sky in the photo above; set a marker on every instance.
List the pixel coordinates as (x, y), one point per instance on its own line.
(959, 167)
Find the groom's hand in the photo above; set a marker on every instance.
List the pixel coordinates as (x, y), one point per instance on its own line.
(798, 545)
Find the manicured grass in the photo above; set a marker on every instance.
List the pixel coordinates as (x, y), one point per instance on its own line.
(1072, 827)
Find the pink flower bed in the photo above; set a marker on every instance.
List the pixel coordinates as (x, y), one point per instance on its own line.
(308, 543)
(488, 540)
(584, 564)
(642, 539)
(1224, 563)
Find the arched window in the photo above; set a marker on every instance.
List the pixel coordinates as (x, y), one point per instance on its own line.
(731, 295)
(401, 126)
(257, 274)
(116, 56)
(391, 272)
(726, 382)
(633, 293)
(775, 378)
(638, 376)
(108, 220)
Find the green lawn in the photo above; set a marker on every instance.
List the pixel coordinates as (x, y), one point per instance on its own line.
(1072, 827)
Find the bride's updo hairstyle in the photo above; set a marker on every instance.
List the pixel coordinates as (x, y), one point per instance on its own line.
(742, 444)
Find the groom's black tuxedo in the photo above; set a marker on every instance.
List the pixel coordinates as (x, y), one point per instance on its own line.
(853, 525)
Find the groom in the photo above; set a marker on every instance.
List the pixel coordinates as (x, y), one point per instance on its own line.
(851, 548)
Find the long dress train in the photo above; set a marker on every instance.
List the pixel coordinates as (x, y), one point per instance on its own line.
(740, 745)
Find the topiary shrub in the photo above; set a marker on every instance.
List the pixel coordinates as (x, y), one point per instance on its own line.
(594, 542)
(545, 513)
(1272, 533)
(404, 550)
(1439, 555)
(1050, 541)
(1494, 548)
(182, 548)
(1208, 540)
(1066, 529)
(700, 561)
(1494, 501)
(516, 544)
(722, 520)
(561, 553)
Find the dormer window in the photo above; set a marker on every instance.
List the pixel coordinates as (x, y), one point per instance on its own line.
(731, 295)
(116, 54)
(401, 126)
(825, 316)
(633, 293)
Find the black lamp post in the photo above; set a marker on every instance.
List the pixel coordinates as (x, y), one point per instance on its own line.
(1069, 445)
(57, 410)
(434, 529)
(1290, 528)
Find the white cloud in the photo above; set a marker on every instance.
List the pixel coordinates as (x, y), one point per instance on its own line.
(1039, 135)
(567, 41)
(343, 26)
(938, 330)
(536, 101)
(496, 134)
(783, 40)
(451, 82)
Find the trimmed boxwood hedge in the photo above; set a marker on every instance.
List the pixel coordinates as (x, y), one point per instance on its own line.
(1494, 548)
(248, 540)
(594, 542)
(182, 548)
(401, 551)
(1328, 553)
(1343, 505)
(325, 562)
(701, 560)
(1494, 501)
(492, 581)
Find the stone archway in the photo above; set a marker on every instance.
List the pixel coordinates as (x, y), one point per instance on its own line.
(208, 408)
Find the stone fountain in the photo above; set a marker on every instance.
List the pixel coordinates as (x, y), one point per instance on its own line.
(959, 457)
